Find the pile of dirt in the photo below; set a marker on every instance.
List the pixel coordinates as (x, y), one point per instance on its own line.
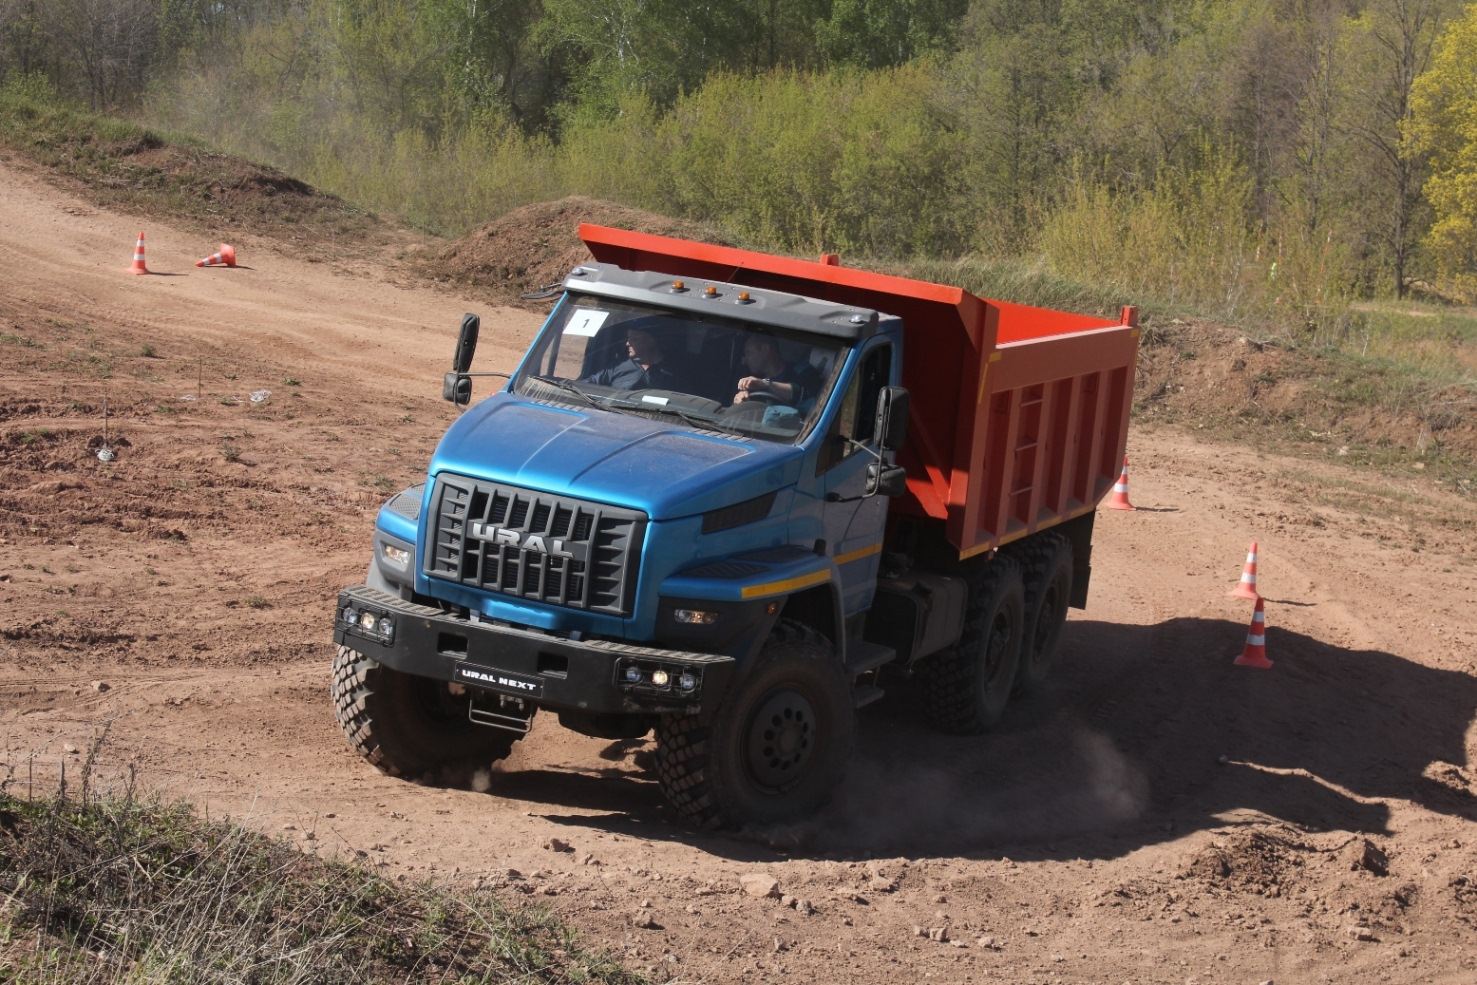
(536, 246)
(1249, 861)
(129, 167)
(1227, 384)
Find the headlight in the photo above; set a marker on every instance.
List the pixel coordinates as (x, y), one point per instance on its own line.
(695, 617)
(686, 682)
(633, 674)
(397, 556)
(659, 678)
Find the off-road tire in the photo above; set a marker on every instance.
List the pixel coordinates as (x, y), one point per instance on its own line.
(1046, 570)
(406, 725)
(738, 770)
(967, 686)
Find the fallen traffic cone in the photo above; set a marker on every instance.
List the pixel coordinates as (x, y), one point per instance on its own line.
(1119, 499)
(1246, 587)
(1254, 654)
(138, 258)
(225, 258)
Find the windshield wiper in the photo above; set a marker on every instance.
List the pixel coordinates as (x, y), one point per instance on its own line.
(702, 423)
(590, 397)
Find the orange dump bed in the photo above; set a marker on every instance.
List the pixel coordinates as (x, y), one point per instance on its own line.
(1019, 415)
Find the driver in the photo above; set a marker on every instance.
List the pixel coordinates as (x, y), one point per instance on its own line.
(796, 385)
(646, 367)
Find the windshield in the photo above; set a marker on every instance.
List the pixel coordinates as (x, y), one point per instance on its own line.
(711, 372)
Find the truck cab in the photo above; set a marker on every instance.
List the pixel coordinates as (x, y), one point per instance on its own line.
(675, 517)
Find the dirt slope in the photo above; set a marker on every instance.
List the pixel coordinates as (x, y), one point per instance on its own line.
(536, 246)
(1157, 816)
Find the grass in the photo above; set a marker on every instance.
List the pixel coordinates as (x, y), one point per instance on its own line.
(122, 889)
(1413, 363)
(160, 173)
(1022, 282)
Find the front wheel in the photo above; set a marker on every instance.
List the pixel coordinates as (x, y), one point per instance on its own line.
(406, 725)
(777, 747)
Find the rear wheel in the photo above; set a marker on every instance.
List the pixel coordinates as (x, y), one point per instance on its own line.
(407, 725)
(967, 687)
(777, 746)
(1046, 567)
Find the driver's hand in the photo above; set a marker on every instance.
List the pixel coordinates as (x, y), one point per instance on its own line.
(752, 383)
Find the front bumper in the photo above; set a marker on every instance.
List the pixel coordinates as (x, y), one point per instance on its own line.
(550, 671)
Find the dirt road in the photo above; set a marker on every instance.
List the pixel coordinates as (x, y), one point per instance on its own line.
(1157, 816)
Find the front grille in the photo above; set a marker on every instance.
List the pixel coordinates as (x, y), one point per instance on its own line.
(535, 546)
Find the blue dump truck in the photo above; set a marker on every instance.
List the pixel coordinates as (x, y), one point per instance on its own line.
(730, 498)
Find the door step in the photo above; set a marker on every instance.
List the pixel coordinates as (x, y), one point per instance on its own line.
(864, 694)
(862, 656)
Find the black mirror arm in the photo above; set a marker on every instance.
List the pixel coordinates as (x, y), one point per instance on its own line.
(832, 497)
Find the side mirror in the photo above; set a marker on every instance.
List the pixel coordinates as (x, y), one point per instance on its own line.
(457, 389)
(886, 480)
(466, 343)
(892, 418)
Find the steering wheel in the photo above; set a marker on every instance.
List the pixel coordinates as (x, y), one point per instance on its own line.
(762, 397)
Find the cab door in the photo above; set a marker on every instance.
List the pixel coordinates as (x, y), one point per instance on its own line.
(854, 522)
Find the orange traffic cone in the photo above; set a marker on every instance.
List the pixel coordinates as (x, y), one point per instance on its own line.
(225, 258)
(1119, 499)
(1254, 654)
(138, 257)
(1246, 587)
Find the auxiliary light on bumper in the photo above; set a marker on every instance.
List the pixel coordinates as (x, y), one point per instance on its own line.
(376, 625)
(653, 675)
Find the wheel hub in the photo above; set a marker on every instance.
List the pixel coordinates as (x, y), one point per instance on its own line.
(996, 642)
(781, 738)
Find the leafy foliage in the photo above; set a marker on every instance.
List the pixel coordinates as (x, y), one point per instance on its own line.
(1445, 127)
(1263, 159)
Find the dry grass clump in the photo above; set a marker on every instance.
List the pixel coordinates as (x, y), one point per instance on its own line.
(124, 889)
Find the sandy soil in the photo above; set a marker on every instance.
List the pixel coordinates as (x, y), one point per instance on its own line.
(1159, 815)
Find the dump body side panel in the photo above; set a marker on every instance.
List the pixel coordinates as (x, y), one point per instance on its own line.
(1016, 411)
(1051, 424)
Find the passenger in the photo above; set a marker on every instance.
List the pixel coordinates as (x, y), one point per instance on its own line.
(796, 386)
(646, 368)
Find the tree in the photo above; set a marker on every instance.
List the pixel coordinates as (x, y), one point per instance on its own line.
(1392, 43)
(878, 33)
(1444, 128)
(109, 44)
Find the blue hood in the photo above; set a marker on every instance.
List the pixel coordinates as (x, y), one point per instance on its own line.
(665, 469)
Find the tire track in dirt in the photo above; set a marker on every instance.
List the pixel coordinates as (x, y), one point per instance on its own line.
(1086, 825)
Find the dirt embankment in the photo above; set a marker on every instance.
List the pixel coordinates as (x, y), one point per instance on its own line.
(535, 247)
(1158, 815)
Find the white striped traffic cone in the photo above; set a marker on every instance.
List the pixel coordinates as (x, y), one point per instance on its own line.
(226, 257)
(1254, 654)
(1246, 587)
(1119, 499)
(138, 257)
